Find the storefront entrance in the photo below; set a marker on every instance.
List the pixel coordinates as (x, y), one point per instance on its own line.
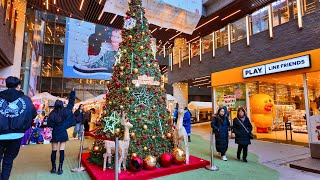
(282, 106)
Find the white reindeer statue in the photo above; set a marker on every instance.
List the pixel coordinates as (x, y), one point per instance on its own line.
(180, 134)
(123, 145)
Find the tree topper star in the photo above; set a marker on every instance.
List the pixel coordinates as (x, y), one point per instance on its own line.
(111, 122)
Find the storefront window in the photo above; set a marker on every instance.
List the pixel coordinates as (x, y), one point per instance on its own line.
(260, 20)
(222, 37)
(195, 48)
(309, 6)
(207, 43)
(238, 31)
(232, 96)
(280, 12)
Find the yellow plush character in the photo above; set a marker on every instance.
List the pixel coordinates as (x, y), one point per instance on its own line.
(261, 111)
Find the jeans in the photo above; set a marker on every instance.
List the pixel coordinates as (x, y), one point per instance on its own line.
(9, 150)
(245, 151)
(78, 130)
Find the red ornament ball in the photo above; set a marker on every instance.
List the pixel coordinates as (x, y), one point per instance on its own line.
(166, 160)
(118, 84)
(157, 129)
(135, 164)
(138, 143)
(150, 116)
(156, 154)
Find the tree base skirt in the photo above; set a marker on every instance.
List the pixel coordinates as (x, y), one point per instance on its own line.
(96, 172)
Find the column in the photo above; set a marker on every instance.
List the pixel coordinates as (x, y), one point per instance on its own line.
(248, 29)
(214, 100)
(180, 93)
(299, 9)
(306, 97)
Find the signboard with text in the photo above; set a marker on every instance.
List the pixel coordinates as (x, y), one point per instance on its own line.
(276, 67)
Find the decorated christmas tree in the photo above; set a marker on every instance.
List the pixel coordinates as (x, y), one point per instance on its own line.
(136, 87)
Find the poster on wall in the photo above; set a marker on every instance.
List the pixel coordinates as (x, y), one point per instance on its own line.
(90, 50)
(229, 100)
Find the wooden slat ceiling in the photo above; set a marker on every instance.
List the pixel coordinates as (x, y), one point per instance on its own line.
(91, 10)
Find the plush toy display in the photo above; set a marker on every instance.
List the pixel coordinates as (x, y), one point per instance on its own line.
(261, 111)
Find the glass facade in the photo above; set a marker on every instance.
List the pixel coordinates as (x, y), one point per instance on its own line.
(50, 55)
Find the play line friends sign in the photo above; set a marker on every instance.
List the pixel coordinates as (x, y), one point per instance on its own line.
(276, 67)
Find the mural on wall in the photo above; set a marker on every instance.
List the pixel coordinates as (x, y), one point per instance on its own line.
(90, 50)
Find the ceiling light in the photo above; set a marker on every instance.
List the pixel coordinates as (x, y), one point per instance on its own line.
(154, 30)
(114, 18)
(81, 5)
(100, 15)
(231, 15)
(100, 1)
(47, 3)
(206, 22)
(175, 36)
(167, 29)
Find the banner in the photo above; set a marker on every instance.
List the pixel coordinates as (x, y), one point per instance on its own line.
(229, 100)
(89, 50)
(186, 13)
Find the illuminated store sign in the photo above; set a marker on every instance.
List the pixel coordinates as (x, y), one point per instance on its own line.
(276, 67)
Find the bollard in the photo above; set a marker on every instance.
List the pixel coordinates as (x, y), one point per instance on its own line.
(212, 167)
(79, 168)
(116, 161)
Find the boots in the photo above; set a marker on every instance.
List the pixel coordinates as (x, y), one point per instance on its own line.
(189, 139)
(53, 161)
(60, 171)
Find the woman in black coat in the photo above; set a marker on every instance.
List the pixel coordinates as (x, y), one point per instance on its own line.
(60, 119)
(242, 129)
(220, 125)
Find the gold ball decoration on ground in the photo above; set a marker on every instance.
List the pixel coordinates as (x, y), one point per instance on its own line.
(145, 148)
(169, 135)
(135, 70)
(145, 127)
(126, 89)
(178, 155)
(150, 162)
(141, 47)
(134, 154)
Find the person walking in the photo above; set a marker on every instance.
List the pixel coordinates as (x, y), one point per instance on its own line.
(175, 116)
(187, 122)
(87, 119)
(220, 125)
(79, 115)
(16, 115)
(242, 129)
(60, 119)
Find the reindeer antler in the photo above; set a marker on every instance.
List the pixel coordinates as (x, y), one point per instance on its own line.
(123, 119)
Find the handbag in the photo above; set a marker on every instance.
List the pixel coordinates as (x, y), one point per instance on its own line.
(251, 135)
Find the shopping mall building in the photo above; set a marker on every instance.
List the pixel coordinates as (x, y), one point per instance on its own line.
(262, 55)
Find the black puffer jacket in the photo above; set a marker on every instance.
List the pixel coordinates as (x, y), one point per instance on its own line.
(16, 112)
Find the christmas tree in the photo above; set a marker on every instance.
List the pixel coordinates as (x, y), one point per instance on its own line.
(136, 87)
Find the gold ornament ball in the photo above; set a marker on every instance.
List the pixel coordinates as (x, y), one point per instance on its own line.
(104, 98)
(110, 102)
(121, 68)
(145, 148)
(121, 107)
(135, 111)
(153, 137)
(126, 89)
(179, 154)
(121, 73)
(96, 148)
(169, 135)
(145, 127)
(148, 65)
(134, 154)
(143, 33)
(162, 87)
(107, 82)
(117, 130)
(154, 106)
(129, 36)
(133, 14)
(133, 134)
(155, 65)
(135, 70)
(163, 136)
(141, 47)
(144, 58)
(124, 51)
(150, 161)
